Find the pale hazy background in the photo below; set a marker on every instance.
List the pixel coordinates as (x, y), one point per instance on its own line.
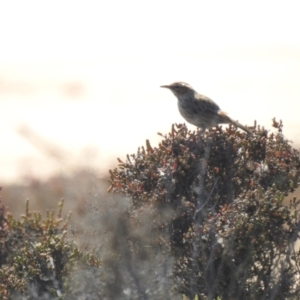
(79, 80)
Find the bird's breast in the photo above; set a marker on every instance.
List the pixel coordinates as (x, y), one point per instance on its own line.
(189, 113)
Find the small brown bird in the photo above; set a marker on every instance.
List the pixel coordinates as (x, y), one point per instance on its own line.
(198, 109)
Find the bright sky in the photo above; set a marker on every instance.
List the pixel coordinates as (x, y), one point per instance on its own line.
(79, 80)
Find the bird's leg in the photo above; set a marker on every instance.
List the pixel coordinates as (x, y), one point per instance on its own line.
(202, 129)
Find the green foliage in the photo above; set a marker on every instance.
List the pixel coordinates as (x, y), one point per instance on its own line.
(203, 219)
(36, 259)
(216, 203)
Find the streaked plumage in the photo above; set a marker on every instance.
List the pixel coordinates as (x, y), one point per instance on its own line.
(198, 109)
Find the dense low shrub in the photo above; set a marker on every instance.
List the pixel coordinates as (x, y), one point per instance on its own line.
(216, 204)
(201, 216)
(36, 260)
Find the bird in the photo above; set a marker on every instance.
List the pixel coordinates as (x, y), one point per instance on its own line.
(198, 109)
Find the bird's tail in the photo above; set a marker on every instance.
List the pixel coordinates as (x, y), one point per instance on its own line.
(237, 124)
(224, 118)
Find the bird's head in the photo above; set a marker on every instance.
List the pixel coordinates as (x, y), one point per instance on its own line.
(179, 89)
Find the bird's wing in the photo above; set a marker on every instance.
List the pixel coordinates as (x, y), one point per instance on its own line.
(205, 104)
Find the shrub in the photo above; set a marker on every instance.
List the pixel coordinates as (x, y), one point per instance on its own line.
(36, 260)
(216, 206)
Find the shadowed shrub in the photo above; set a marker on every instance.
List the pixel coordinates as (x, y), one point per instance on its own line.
(36, 259)
(216, 204)
(203, 218)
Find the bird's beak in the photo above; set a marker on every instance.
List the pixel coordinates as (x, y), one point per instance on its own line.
(165, 86)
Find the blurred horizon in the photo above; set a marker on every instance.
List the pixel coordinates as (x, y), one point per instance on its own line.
(79, 81)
